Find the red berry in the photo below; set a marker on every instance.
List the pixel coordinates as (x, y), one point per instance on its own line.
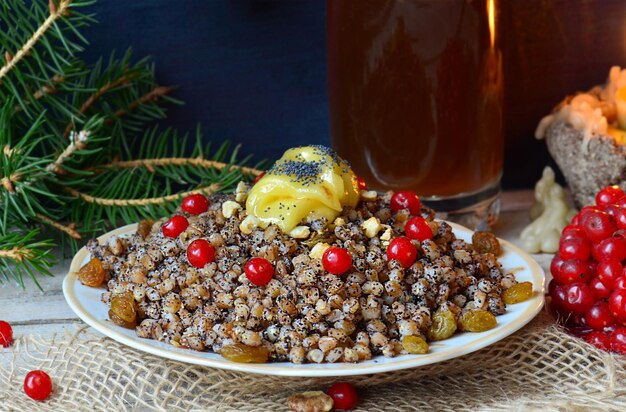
(417, 228)
(613, 211)
(599, 289)
(599, 316)
(403, 250)
(406, 200)
(618, 341)
(258, 177)
(572, 231)
(6, 334)
(611, 248)
(599, 339)
(336, 260)
(583, 212)
(572, 271)
(175, 226)
(620, 233)
(575, 248)
(609, 270)
(361, 182)
(200, 252)
(195, 204)
(551, 285)
(609, 195)
(597, 225)
(555, 265)
(557, 293)
(578, 298)
(620, 283)
(617, 304)
(259, 271)
(344, 395)
(38, 385)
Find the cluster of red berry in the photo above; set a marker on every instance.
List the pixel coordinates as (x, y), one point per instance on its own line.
(37, 384)
(589, 287)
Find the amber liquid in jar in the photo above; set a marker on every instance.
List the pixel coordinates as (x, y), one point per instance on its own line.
(415, 93)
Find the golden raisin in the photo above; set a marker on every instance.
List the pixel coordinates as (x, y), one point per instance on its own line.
(443, 325)
(477, 321)
(123, 311)
(486, 242)
(144, 227)
(518, 293)
(238, 352)
(92, 274)
(414, 345)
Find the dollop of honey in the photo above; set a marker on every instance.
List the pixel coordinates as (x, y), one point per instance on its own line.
(306, 183)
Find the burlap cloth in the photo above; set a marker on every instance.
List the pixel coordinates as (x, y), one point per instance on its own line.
(538, 368)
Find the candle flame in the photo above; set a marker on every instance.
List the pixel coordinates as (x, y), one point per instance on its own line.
(491, 15)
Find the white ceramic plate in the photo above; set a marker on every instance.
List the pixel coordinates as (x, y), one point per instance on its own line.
(85, 301)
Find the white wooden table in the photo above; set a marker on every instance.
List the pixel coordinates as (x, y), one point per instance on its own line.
(45, 313)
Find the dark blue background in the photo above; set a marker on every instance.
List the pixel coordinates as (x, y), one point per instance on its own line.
(251, 71)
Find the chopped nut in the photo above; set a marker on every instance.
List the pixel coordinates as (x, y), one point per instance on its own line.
(313, 401)
(318, 250)
(300, 232)
(248, 225)
(371, 226)
(241, 193)
(387, 233)
(368, 194)
(229, 207)
(339, 221)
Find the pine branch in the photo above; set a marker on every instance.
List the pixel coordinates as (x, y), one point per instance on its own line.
(150, 164)
(70, 229)
(161, 200)
(55, 13)
(22, 255)
(74, 146)
(124, 80)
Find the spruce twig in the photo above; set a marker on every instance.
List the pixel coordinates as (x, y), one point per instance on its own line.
(56, 12)
(161, 200)
(70, 229)
(73, 146)
(150, 164)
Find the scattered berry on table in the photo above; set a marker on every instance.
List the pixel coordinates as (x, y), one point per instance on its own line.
(38, 385)
(6, 334)
(344, 395)
(195, 204)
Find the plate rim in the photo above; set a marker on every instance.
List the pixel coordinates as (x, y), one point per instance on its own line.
(144, 345)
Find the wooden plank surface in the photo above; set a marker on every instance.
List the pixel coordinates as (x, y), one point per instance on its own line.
(46, 313)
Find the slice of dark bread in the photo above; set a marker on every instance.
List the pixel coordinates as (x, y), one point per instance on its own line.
(603, 163)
